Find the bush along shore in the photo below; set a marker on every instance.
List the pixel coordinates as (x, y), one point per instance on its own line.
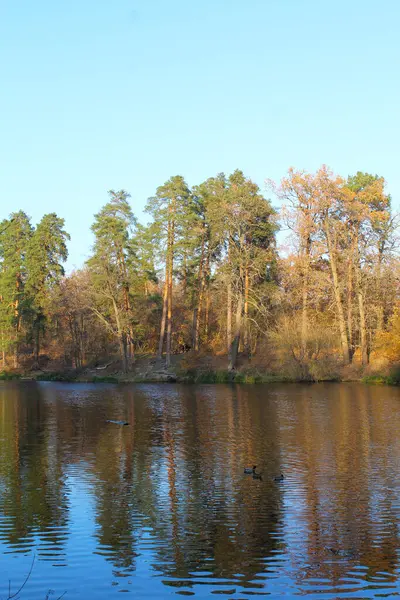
(207, 370)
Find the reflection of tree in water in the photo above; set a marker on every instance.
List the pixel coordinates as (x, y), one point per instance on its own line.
(171, 485)
(124, 487)
(174, 472)
(212, 517)
(349, 511)
(32, 499)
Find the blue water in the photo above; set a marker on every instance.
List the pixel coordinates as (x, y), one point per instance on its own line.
(162, 507)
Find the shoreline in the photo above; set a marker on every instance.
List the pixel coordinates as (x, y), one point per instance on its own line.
(198, 369)
(215, 378)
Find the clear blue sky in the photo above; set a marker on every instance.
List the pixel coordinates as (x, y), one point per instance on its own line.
(100, 94)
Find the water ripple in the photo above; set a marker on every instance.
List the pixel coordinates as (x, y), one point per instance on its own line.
(162, 507)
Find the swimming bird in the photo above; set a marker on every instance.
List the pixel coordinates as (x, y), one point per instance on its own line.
(117, 422)
(250, 470)
(279, 477)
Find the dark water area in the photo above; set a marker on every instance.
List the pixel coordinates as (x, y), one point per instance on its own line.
(162, 507)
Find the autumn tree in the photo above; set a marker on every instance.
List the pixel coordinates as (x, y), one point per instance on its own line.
(205, 275)
(368, 219)
(299, 196)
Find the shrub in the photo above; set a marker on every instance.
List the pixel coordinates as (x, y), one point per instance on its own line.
(8, 376)
(58, 376)
(105, 379)
(392, 379)
(375, 379)
(394, 375)
(317, 361)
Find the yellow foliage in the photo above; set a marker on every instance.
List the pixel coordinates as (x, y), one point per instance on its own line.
(388, 342)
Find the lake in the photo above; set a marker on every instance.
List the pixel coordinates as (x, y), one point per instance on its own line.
(162, 508)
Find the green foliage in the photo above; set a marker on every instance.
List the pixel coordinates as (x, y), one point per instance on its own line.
(195, 376)
(9, 376)
(375, 379)
(15, 235)
(392, 379)
(112, 268)
(394, 375)
(113, 227)
(205, 276)
(224, 376)
(62, 376)
(46, 251)
(71, 376)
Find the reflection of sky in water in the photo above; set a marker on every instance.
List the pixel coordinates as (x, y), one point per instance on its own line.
(162, 506)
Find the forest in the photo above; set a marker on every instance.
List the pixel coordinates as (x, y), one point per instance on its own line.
(205, 286)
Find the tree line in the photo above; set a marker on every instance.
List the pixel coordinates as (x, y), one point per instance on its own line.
(205, 276)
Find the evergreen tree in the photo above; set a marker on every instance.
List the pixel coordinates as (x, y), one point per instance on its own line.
(111, 270)
(171, 209)
(46, 251)
(15, 235)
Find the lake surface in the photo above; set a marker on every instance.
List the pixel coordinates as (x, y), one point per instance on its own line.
(162, 508)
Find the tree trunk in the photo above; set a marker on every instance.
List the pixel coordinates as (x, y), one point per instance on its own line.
(170, 261)
(350, 309)
(236, 340)
(3, 352)
(17, 326)
(229, 316)
(379, 296)
(206, 319)
(304, 307)
(16, 356)
(194, 328)
(304, 319)
(197, 310)
(207, 294)
(131, 346)
(164, 315)
(169, 321)
(123, 352)
(363, 326)
(121, 338)
(363, 330)
(37, 343)
(184, 282)
(82, 342)
(246, 342)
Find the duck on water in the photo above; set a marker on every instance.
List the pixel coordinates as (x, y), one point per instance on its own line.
(123, 423)
(250, 470)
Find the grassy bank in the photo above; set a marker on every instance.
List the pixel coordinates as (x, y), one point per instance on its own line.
(9, 375)
(209, 369)
(193, 376)
(188, 377)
